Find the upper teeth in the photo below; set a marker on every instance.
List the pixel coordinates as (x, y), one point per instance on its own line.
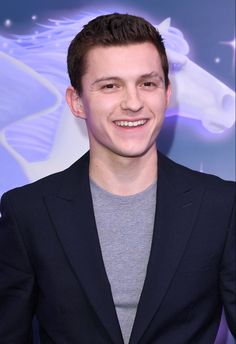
(130, 124)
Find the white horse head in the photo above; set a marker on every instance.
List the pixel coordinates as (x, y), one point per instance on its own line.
(197, 93)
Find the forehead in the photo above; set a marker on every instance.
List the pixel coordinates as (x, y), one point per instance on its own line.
(123, 61)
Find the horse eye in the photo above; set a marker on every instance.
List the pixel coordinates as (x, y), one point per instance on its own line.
(175, 67)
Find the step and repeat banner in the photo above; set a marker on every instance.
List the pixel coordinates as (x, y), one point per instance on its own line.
(39, 136)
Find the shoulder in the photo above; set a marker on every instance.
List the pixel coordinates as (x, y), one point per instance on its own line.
(180, 174)
(51, 184)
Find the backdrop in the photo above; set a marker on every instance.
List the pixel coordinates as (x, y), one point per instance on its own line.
(39, 136)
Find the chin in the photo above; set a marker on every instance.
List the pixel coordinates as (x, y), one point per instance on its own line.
(133, 153)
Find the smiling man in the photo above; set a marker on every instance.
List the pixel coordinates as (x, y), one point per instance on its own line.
(125, 246)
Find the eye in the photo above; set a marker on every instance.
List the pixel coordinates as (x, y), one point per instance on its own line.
(153, 84)
(149, 84)
(109, 87)
(175, 67)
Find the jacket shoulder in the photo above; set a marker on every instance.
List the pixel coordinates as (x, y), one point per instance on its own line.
(50, 184)
(179, 173)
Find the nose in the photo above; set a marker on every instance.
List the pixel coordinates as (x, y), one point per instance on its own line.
(131, 100)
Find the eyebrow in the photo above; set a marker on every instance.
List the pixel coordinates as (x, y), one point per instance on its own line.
(144, 76)
(152, 75)
(105, 79)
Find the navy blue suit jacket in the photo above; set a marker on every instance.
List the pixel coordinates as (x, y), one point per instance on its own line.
(51, 263)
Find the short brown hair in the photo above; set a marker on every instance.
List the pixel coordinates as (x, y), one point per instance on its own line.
(111, 30)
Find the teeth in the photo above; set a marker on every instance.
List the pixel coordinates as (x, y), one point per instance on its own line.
(130, 123)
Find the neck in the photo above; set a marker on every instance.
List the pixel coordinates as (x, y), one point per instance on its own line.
(124, 176)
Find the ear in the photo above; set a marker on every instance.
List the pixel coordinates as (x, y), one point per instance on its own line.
(168, 94)
(75, 103)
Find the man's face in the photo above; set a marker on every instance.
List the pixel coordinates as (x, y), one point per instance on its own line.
(123, 100)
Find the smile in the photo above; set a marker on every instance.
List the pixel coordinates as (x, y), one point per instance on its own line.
(131, 123)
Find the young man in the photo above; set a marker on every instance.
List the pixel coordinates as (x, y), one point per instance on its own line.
(125, 245)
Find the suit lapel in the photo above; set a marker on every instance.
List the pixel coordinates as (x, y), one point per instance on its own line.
(72, 213)
(177, 206)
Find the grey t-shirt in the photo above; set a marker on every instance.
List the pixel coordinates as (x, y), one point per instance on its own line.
(125, 229)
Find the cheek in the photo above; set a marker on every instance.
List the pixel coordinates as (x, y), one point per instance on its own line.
(96, 117)
(101, 106)
(158, 108)
(157, 101)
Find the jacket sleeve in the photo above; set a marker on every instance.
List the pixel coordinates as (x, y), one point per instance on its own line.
(228, 275)
(17, 286)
